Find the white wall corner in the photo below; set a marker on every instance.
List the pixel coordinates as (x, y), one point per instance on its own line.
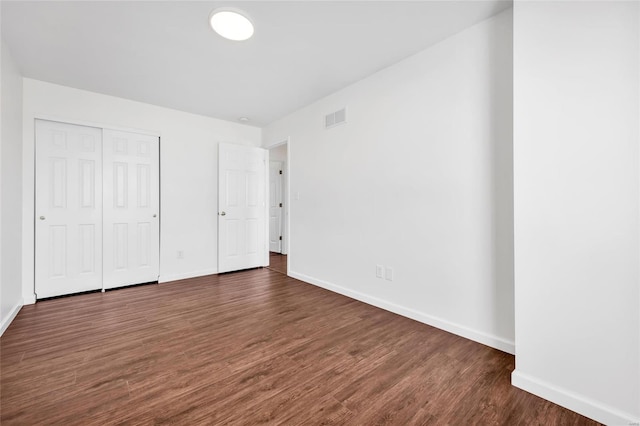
(573, 401)
(10, 317)
(486, 339)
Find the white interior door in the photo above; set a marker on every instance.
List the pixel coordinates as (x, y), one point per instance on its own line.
(68, 222)
(275, 206)
(242, 208)
(131, 208)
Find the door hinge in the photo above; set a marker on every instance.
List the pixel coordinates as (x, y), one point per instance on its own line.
(280, 171)
(280, 205)
(280, 237)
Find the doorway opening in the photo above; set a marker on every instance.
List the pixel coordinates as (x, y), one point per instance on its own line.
(278, 204)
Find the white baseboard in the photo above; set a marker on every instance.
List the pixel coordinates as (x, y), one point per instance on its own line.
(185, 275)
(9, 318)
(29, 299)
(466, 332)
(574, 402)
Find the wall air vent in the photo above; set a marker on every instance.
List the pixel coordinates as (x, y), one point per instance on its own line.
(335, 118)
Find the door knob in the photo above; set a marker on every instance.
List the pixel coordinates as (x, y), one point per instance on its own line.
(155, 215)
(223, 214)
(41, 217)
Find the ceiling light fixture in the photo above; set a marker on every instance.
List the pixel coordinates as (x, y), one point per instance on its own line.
(243, 119)
(231, 24)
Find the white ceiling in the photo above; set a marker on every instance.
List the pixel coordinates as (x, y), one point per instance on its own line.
(164, 53)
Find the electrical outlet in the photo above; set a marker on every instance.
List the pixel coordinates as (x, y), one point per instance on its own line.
(180, 254)
(379, 271)
(388, 275)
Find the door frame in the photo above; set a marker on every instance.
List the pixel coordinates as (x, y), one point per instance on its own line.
(286, 201)
(29, 190)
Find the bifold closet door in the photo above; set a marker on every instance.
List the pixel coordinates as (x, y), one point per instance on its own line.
(68, 208)
(131, 201)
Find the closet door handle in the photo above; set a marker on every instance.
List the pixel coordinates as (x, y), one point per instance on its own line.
(155, 215)
(42, 217)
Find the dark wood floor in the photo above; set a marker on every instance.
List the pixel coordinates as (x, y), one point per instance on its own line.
(247, 348)
(278, 262)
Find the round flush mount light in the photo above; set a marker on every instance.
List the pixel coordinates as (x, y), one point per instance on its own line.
(243, 119)
(231, 24)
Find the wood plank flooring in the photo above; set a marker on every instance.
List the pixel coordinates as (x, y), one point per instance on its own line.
(252, 347)
(278, 262)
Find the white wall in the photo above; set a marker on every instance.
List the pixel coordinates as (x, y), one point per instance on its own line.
(188, 169)
(419, 179)
(576, 143)
(278, 153)
(10, 189)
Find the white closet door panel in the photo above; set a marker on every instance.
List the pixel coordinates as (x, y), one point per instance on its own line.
(131, 208)
(68, 222)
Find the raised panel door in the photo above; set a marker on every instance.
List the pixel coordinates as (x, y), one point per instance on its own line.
(242, 215)
(68, 220)
(131, 208)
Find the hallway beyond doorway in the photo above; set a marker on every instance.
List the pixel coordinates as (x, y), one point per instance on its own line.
(278, 262)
